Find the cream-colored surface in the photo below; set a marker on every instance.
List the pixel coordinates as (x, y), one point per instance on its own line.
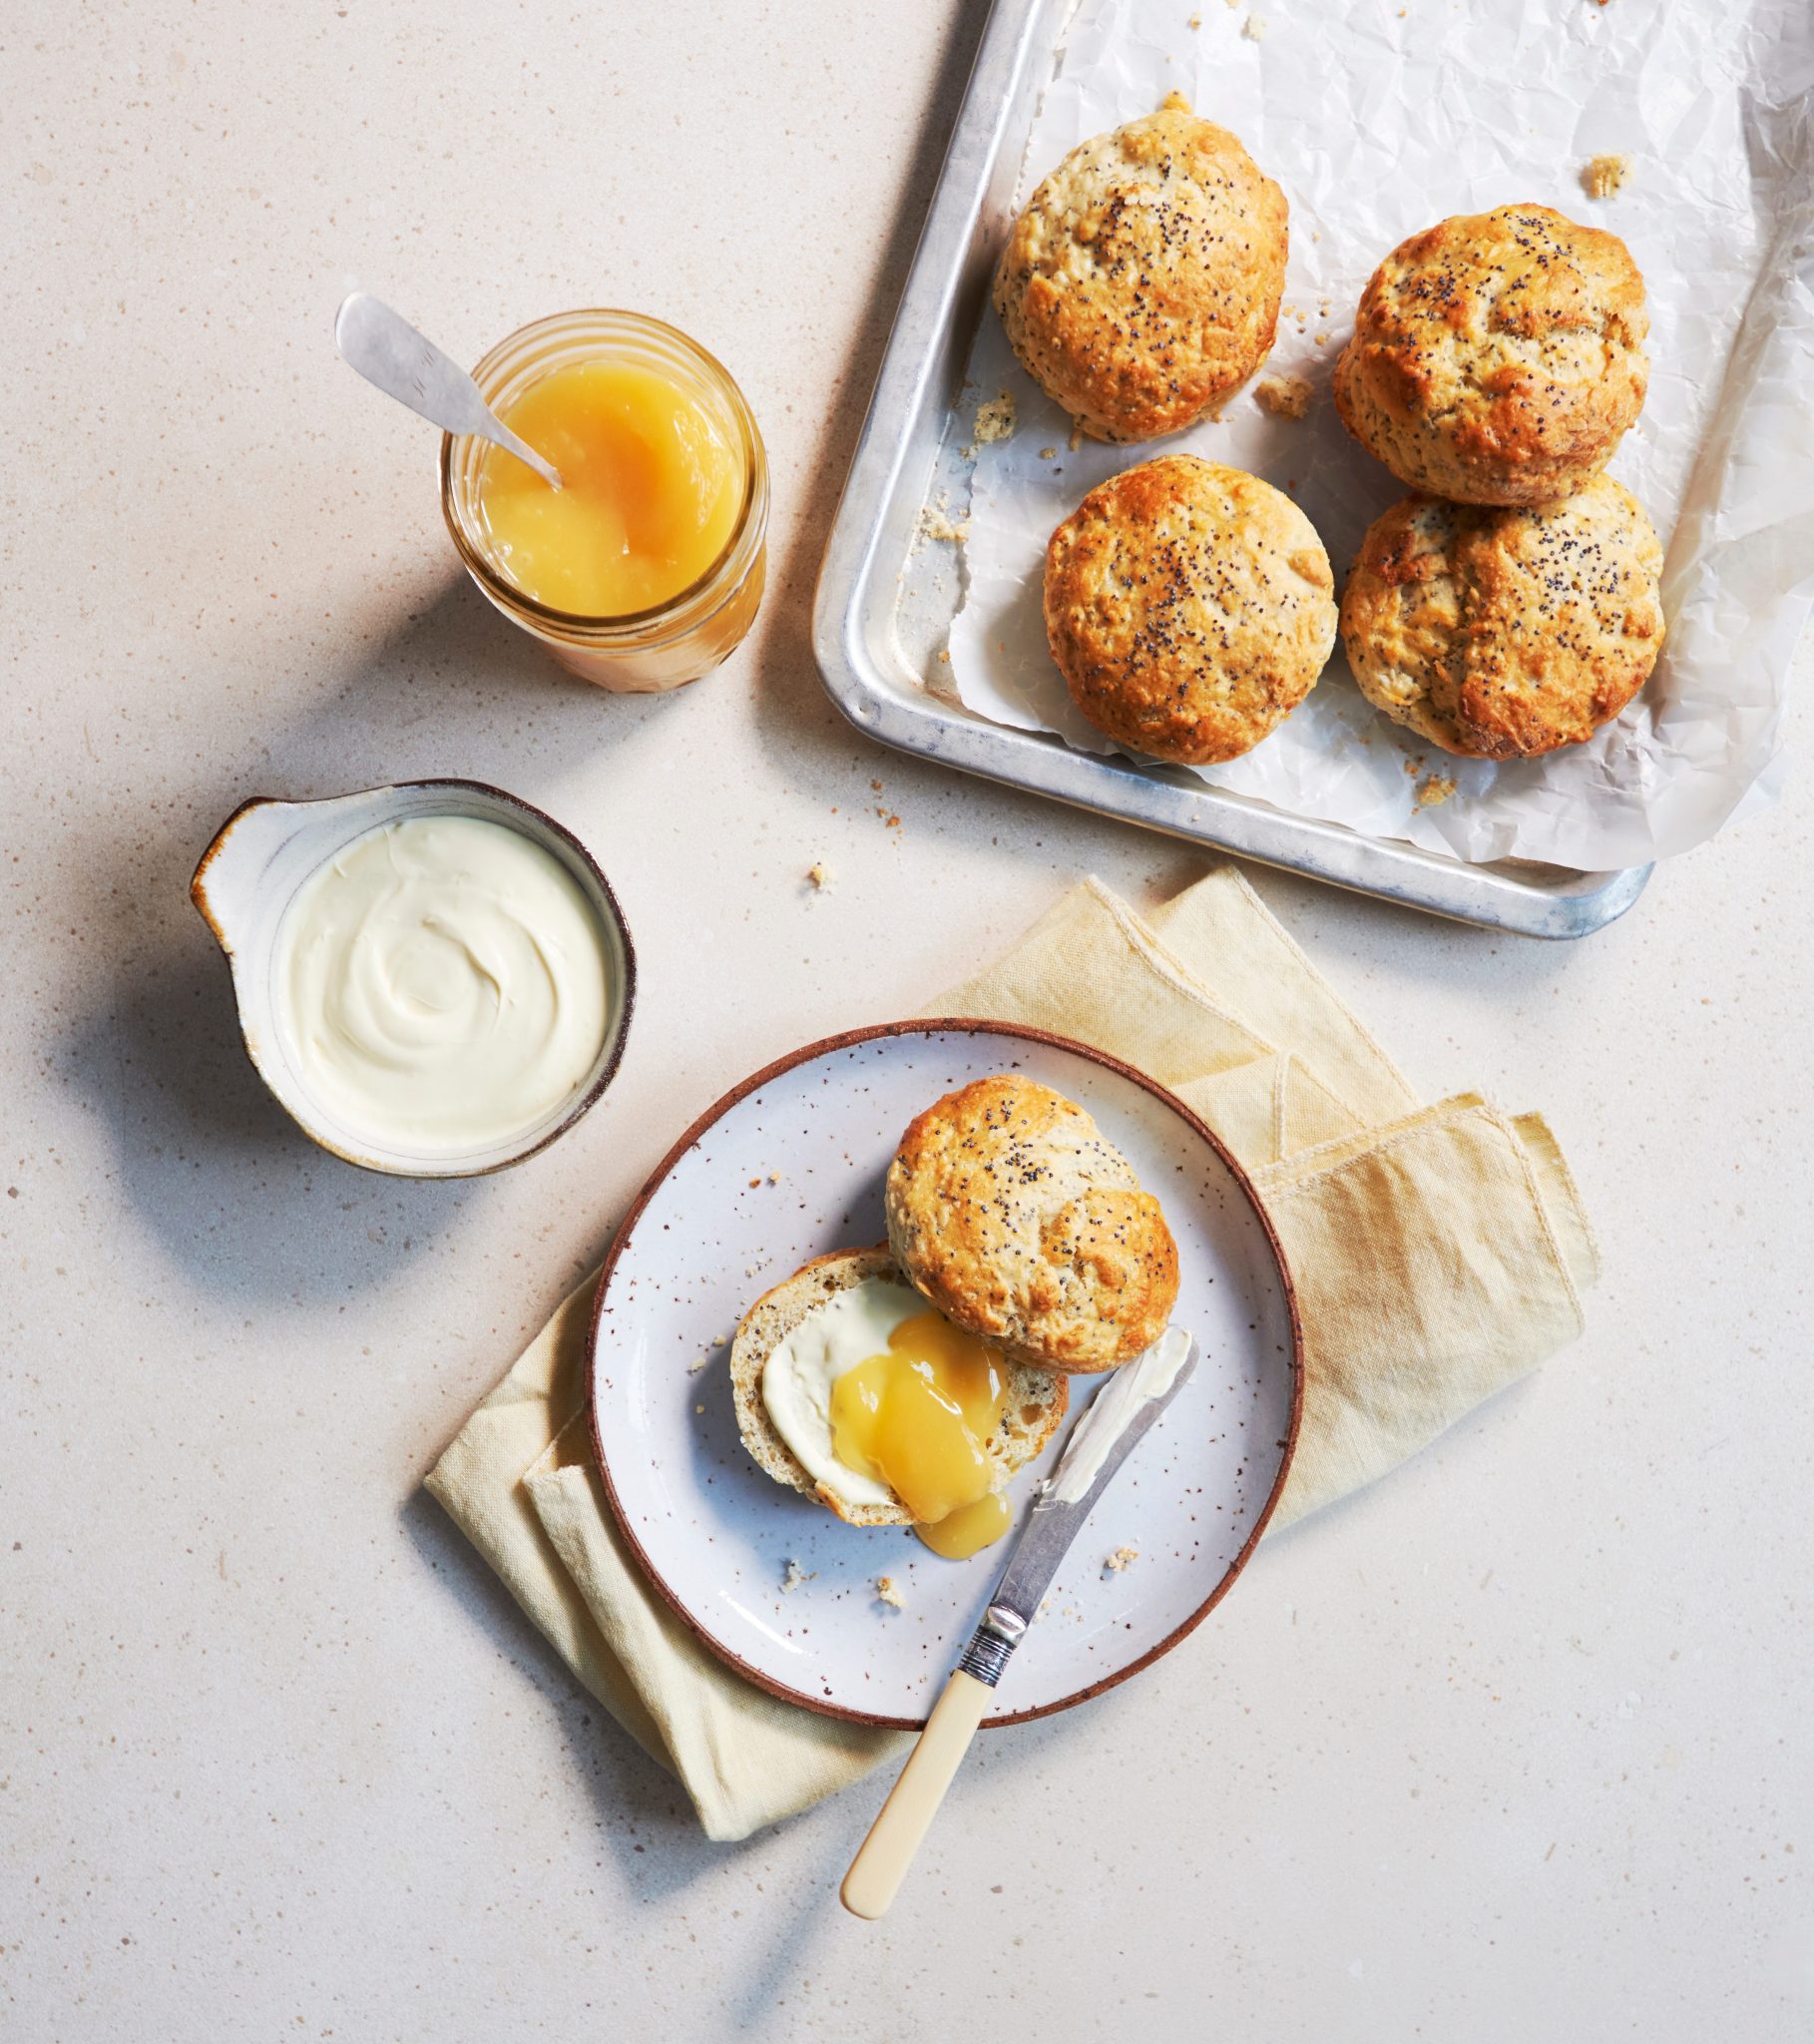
(1438, 1256)
(275, 1743)
(443, 985)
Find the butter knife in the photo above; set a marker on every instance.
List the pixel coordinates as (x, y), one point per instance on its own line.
(1119, 1416)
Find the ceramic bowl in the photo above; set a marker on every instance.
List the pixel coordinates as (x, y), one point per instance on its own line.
(248, 878)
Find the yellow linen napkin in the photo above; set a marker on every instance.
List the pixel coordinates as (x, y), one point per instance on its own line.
(1438, 1253)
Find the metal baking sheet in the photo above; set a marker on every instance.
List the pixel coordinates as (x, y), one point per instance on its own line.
(886, 600)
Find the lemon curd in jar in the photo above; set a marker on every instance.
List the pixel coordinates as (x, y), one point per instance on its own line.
(649, 496)
(647, 569)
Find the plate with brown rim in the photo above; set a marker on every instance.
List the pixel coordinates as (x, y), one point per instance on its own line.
(788, 1166)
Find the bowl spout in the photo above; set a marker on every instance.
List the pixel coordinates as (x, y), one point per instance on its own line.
(228, 887)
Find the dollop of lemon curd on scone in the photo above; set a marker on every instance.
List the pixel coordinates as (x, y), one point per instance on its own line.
(883, 1399)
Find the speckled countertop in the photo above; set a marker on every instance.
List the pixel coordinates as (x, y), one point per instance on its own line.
(1514, 1747)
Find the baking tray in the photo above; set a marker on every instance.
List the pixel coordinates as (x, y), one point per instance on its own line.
(886, 599)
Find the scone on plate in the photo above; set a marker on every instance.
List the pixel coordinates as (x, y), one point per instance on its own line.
(1023, 1223)
(1498, 357)
(1190, 608)
(1498, 633)
(1140, 286)
(844, 1377)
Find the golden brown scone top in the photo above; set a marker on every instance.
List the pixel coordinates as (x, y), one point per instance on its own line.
(1190, 608)
(1016, 1217)
(1498, 357)
(1502, 633)
(1140, 286)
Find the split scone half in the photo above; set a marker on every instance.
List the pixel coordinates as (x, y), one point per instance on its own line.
(1034, 1400)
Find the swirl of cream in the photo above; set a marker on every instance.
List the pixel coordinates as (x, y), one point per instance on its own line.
(444, 986)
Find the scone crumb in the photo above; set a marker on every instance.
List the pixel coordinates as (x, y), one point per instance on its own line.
(1254, 29)
(1605, 175)
(1121, 1558)
(1285, 398)
(775, 1177)
(935, 525)
(796, 1575)
(889, 1592)
(1438, 789)
(1195, 21)
(821, 876)
(1076, 436)
(698, 1408)
(995, 419)
(694, 1368)
(1048, 453)
(945, 658)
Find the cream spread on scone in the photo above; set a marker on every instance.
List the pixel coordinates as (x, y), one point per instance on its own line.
(848, 1330)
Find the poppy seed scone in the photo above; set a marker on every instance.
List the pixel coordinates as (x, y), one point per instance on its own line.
(1499, 632)
(1498, 357)
(1140, 286)
(1190, 608)
(1036, 1400)
(1018, 1219)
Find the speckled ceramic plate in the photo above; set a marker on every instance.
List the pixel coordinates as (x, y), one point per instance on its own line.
(789, 1166)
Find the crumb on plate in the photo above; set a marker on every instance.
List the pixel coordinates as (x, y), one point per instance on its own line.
(1285, 396)
(1254, 29)
(889, 1592)
(1121, 1558)
(796, 1575)
(823, 880)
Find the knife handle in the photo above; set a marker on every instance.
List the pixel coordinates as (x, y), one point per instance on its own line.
(884, 1856)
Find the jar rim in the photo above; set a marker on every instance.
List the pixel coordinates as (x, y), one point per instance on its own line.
(510, 595)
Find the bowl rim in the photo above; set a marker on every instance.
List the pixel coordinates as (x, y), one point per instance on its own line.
(930, 1026)
(489, 791)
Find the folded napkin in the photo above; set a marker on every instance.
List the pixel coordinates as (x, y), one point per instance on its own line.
(1438, 1253)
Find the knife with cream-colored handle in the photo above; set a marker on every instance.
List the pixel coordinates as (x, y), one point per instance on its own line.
(1118, 1415)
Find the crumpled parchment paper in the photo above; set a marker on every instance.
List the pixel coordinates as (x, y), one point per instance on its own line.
(1379, 120)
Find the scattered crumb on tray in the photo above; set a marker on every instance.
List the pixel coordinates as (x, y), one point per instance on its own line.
(1285, 398)
(796, 1575)
(775, 1177)
(995, 419)
(1605, 175)
(935, 523)
(823, 878)
(1438, 789)
(1254, 29)
(1076, 436)
(889, 1592)
(698, 1408)
(1121, 1558)
(694, 1368)
(1048, 453)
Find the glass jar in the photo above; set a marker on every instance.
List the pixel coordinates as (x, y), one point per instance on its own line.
(675, 641)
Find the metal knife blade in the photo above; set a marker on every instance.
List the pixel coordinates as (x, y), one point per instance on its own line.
(1055, 1521)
